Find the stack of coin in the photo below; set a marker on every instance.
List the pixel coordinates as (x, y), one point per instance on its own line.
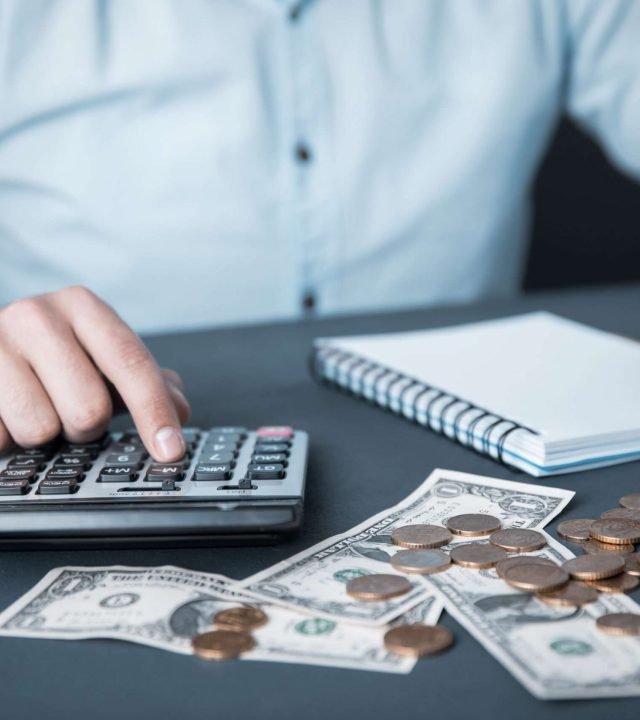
(615, 533)
(611, 563)
(232, 635)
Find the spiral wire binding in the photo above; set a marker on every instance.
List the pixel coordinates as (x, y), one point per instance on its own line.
(329, 365)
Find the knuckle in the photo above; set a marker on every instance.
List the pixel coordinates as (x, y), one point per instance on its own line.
(40, 432)
(24, 310)
(77, 294)
(91, 416)
(132, 355)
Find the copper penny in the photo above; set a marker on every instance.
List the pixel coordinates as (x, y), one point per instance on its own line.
(222, 644)
(595, 547)
(422, 562)
(632, 564)
(574, 530)
(594, 567)
(477, 555)
(616, 531)
(632, 502)
(240, 619)
(534, 577)
(381, 586)
(417, 640)
(619, 623)
(421, 537)
(510, 562)
(473, 524)
(518, 540)
(618, 584)
(621, 514)
(572, 594)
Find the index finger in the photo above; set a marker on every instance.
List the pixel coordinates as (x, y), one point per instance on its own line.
(127, 363)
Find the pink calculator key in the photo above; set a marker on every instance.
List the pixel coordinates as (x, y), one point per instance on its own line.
(275, 431)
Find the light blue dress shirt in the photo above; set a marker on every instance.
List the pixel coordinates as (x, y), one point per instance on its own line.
(201, 162)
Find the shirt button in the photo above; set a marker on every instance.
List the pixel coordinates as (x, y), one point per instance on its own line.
(294, 12)
(308, 301)
(302, 152)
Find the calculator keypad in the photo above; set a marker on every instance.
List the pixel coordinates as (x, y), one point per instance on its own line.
(222, 463)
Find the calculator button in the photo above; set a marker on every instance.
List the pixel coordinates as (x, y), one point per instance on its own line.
(220, 447)
(29, 474)
(212, 471)
(265, 472)
(26, 462)
(59, 473)
(271, 448)
(82, 462)
(41, 451)
(14, 487)
(132, 438)
(127, 448)
(269, 458)
(123, 473)
(273, 431)
(230, 439)
(218, 458)
(93, 446)
(160, 473)
(273, 439)
(226, 430)
(115, 459)
(53, 486)
(72, 451)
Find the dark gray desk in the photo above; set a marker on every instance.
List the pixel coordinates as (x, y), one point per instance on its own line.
(362, 460)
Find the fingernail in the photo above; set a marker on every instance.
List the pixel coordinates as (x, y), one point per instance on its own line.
(169, 443)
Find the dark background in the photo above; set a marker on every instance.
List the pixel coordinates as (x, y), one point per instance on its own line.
(587, 217)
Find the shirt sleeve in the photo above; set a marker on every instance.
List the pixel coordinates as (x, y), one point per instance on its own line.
(603, 75)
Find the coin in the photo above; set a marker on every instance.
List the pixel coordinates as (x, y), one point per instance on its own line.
(616, 531)
(473, 524)
(240, 619)
(477, 555)
(221, 644)
(574, 530)
(595, 547)
(572, 594)
(632, 502)
(534, 577)
(417, 640)
(632, 564)
(621, 513)
(594, 567)
(504, 565)
(619, 584)
(422, 562)
(518, 540)
(619, 623)
(421, 537)
(377, 587)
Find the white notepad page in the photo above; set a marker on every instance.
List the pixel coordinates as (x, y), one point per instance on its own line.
(576, 386)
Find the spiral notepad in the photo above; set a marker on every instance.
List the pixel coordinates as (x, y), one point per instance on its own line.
(538, 392)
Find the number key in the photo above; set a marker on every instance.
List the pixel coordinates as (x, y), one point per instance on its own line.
(265, 472)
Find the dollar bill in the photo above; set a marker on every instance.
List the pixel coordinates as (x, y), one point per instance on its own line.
(556, 653)
(314, 581)
(164, 607)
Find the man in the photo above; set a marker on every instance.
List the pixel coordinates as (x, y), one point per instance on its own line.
(196, 162)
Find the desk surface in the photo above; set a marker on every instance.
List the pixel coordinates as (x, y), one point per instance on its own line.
(362, 460)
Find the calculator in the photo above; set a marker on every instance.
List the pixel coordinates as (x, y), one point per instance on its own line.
(233, 485)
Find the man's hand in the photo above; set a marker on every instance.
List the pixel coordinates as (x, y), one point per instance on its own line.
(66, 360)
